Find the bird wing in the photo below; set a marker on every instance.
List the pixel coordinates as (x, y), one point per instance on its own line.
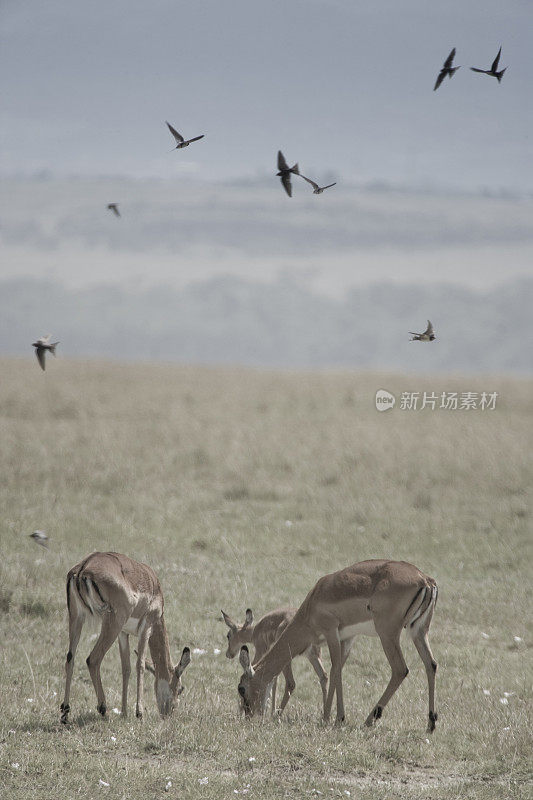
(39, 352)
(447, 64)
(286, 181)
(429, 329)
(313, 184)
(475, 69)
(115, 209)
(282, 164)
(440, 78)
(496, 61)
(177, 136)
(196, 138)
(45, 339)
(330, 185)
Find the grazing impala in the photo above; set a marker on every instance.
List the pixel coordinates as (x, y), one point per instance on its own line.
(127, 598)
(376, 598)
(262, 635)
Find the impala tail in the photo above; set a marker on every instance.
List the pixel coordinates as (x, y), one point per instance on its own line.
(85, 596)
(421, 609)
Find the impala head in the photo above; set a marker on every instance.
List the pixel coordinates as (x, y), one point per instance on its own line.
(253, 696)
(238, 634)
(167, 692)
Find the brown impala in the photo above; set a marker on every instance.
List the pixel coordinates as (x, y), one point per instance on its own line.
(125, 596)
(376, 598)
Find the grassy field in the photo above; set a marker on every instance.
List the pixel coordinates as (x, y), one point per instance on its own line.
(242, 488)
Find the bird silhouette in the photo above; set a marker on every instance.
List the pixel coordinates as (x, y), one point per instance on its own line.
(427, 336)
(493, 71)
(40, 537)
(285, 173)
(180, 141)
(447, 69)
(316, 188)
(114, 208)
(41, 346)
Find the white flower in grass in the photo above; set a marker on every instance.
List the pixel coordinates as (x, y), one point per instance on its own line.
(15, 765)
(508, 728)
(115, 711)
(518, 639)
(486, 692)
(485, 635)
(102, 783)
(29, 699)
(288, 523)
(203, 781)
(508, 694)
(216, 651)
(504, 701)
(198, 651)
(113, 738)
(251, 759)
(168, 786)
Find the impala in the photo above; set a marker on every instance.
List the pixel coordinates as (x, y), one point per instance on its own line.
(262, 635)
(376, 598)
(126, 597)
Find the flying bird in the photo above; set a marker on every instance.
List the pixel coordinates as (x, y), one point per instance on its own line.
(494, 68)
(316, 188)
(180, 141)
(41, 346)
(114, 208)
(447, 69)
(40, 537)
(427, 336)
(285, 173)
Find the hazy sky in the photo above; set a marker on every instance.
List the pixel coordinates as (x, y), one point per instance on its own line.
(343, 87)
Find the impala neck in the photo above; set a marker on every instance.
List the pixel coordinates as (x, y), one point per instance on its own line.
(160, 651)
(294, 640)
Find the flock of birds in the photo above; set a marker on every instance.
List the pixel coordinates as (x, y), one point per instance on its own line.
(449, 70)
(285, 173)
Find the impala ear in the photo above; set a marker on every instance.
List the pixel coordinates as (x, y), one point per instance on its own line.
(185, 660)
(249, 617)
(244, 658)
(229, 622)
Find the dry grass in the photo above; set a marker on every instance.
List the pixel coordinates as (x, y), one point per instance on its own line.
(241, 488)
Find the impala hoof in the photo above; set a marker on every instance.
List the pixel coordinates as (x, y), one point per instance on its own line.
(102, 709)
(433, 716)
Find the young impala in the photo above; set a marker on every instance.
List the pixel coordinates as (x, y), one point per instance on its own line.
(262, 635)
(125, 596)
(376, 598)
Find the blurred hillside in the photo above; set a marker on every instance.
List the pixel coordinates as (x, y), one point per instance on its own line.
(230, 320)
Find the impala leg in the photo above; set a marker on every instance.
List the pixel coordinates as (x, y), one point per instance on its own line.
(124, 647)
(391, 646)
(335, 677)
(273, 687)
(422, 645)
(112, 624)
(290, 686)
(75, 625)
(313, 657)
(141, 653)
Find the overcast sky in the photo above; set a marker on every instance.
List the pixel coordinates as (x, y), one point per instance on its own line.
(345, 88)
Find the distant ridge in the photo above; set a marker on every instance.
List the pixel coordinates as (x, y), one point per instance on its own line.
(229, 320)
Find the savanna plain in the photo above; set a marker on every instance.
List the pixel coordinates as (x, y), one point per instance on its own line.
(241, 488)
